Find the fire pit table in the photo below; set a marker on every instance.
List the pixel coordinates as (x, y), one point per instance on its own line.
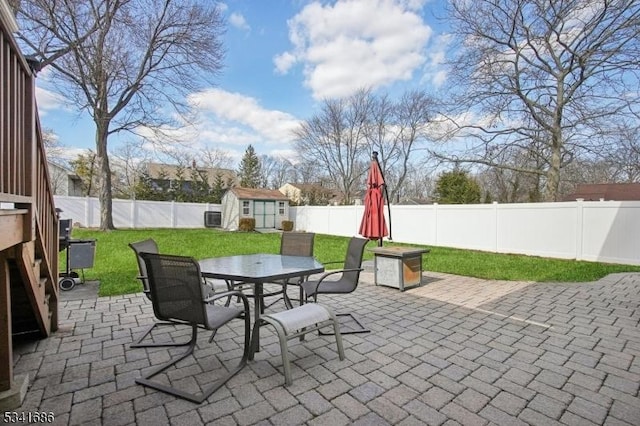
(398, 267)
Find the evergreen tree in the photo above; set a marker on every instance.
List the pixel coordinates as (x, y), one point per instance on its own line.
(178, 186)
(145, 189)
(250, 169)
(218, 189)
(200, 188)
(456, 187)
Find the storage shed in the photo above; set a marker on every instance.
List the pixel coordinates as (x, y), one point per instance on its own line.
(269, 207)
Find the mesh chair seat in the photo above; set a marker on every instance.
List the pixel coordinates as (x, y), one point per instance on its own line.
(293, 320)
(297, 322)
(341, 286)
(218, 316)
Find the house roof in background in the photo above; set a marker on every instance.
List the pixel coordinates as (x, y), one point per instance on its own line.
(315, 188)
(258, 194)
(310, 186)
(414, 201)
(607, 192)
(62, 169)
(170, 171)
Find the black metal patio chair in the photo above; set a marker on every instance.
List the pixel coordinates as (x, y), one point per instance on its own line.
(175, 288)
(346, 283)
(150, 246)
(295, 244)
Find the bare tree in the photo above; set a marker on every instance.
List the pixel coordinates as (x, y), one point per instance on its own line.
(129, 162)
(53, 148)
(308, 171)
(395, 130)
(121, 60)
(544, 76)
(418, 184)
(625, 160)
(335, 138)
(215, 158)
(276, 171)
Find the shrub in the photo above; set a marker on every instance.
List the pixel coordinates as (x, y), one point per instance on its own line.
(247, 224)
(287, 225)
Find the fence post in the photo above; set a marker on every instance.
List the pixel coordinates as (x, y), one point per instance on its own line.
(495, 223)
(579, 227)
(87, 212)
(435, 224)
(134, 213)
(173, 214)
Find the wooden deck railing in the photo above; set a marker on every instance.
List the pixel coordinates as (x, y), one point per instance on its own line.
(28, 223)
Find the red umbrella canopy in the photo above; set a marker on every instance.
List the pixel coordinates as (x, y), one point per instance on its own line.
(373, 225)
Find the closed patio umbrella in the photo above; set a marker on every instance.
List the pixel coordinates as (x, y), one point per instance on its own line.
(373, 225)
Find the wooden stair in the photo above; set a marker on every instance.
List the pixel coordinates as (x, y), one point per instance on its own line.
(31, 294)
(28, 219)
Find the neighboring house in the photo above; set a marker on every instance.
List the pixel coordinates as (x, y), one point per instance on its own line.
(269, 207)
(606, 192)
(310, 194)
(414, 201)
(163, 174)
(64, 181)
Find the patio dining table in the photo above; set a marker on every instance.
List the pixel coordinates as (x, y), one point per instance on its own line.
(258, 269)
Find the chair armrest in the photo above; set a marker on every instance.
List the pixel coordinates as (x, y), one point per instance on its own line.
(223, 295)
(338, 271)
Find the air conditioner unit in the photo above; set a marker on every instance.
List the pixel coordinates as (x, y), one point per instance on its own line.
(213, 219)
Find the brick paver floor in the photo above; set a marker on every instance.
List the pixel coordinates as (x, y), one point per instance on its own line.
(455, 351)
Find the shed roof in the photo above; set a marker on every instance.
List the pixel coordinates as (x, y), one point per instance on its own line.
(258, 194)
(606, 191)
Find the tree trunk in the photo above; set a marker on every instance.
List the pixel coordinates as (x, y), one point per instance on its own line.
(104, 177)
(553, 174)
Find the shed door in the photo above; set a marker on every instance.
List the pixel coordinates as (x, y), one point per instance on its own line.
(265, 214)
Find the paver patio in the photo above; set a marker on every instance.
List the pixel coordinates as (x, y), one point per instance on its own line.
(455, 351)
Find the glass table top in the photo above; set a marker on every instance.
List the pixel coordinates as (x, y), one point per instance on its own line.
(259, 267)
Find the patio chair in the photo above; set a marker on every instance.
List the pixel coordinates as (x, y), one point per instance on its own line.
(175, 288)
(296, 244)
(150, 246)
(291, 244)
(347, 283)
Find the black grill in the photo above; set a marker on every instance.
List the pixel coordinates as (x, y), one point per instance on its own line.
(64, 235)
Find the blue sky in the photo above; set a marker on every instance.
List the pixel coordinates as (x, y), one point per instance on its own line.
(283, 58)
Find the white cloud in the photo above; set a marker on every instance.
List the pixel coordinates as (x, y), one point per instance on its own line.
(244, 115)
(238, 21)
(356, 43)
(434, 71)
(48, 100)
(222, 6)
(230, 122)
(284, 62)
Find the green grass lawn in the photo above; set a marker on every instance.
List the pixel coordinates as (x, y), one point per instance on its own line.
(115, 265)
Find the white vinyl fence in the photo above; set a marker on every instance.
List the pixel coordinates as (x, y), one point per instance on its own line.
(606, 231)
(135, 213)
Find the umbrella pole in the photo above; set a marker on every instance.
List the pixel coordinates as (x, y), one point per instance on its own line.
(386, 194)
